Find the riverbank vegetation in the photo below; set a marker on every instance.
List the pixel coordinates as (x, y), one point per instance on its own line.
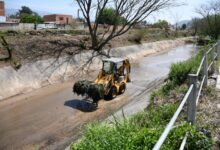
(142, 131)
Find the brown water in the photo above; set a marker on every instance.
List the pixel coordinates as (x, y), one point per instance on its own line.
(53, 116)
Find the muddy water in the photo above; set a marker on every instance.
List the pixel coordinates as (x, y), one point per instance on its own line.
(156, 66)
(53, 116)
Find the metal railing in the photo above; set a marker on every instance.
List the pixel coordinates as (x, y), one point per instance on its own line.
(193, 94)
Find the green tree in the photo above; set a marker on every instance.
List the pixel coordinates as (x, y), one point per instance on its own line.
(25, 10)
(26, 18)
(211, 19)
(183, 26)
(108, 16)
(210, 28)
(194, 25)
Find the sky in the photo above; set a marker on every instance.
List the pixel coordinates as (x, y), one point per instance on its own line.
(172, 15)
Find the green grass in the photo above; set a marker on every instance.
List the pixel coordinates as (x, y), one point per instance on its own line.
(140, 132)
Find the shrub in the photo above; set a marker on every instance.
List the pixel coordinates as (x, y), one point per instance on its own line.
(179, 72)
(156, 116)
(137, 37)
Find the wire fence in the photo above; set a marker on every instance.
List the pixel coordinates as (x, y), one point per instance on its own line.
(191, 99)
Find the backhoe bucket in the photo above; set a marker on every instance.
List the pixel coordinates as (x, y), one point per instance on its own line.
(89, 89)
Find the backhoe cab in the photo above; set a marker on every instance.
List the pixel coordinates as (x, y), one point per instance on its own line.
(110, 82)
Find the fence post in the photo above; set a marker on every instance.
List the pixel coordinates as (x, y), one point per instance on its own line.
(213, 59)
(191, 109)
(205, 67)
(218, 48)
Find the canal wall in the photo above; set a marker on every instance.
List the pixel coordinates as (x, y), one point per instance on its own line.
(42, 73)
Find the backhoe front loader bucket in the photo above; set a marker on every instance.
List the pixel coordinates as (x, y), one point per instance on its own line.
(89, 89)
(81, 87)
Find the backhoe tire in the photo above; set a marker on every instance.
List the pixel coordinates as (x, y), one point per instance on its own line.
(122, 88)
(112, 93)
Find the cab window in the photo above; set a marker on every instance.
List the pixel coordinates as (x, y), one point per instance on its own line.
(120, 68)
(107, 67)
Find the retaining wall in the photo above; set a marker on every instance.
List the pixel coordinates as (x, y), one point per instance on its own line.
(31, 26)
(42, 73)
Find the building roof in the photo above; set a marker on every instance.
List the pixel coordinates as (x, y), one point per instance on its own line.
(114, 59)
(58, 15)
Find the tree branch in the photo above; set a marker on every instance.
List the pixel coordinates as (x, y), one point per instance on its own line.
(5, 46)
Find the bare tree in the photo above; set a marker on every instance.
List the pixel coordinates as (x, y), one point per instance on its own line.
(176, 18)
(195, 25)
(6, 54)
(133, 11)
(4, 46)
(210, 12)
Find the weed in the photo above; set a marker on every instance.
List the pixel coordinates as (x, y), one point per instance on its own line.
(82, 45)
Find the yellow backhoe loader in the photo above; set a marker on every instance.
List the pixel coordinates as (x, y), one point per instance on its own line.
(110, 82)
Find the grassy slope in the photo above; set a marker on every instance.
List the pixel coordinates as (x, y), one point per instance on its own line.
(141, 132)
